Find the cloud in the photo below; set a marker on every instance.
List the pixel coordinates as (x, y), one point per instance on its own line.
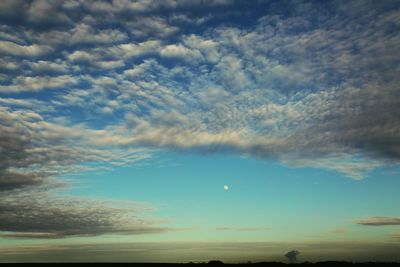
(143, 6)
(80, 56)
(16, 180)
(40, 215)
(396, 236)
(37, 83)
(83, 33)
(23, 103)
(379, 221)
(80, 35)
(43, 66)
(135, 49)
(241, 229)
(111, 64)
(11, 10)
(155, 27)
(46, 12)
(13, 49)
(338, 231)
(38, 152)
(305, 89)
(179, 51)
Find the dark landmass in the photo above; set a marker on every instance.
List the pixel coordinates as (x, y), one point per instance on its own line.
(220, 263)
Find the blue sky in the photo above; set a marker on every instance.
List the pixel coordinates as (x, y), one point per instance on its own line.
(121, 122)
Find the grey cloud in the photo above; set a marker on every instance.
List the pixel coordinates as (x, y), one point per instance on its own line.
(12, 9)
(143, 6)
(9, 64)
(41, 215)
(34, 149)
(34, 153)
(379, 221)
(322, 95)
(40, 14)
(46, 12)
(16, 180)
(345, 121)
(32, 146)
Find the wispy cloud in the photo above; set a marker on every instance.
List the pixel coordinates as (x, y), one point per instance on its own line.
(379, 221)
(242, 229)
(396, 236)
(338, 231)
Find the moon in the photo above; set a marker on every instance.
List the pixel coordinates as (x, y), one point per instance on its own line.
(226, 187)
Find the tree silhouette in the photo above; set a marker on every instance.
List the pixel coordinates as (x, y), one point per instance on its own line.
(292, 255)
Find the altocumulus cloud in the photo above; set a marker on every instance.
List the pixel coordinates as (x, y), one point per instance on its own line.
(38, 215)
(308, 84)
(33, 153)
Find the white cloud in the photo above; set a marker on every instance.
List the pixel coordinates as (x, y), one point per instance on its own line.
(80, 55)
(38, 83)
(182, 52)
(208, 47)
(135, 49)
(13, 49)
(83, 33)
(145, 26)
(111, 64)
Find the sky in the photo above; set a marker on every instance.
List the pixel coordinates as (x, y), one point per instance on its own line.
(177, 130)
